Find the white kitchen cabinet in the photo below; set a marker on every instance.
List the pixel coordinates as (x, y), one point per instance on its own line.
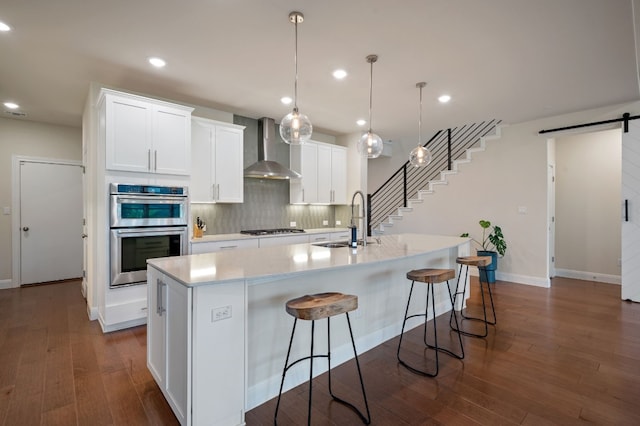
(330, 236)
(324, 174)
(213, 246)
(284, 240)
(145, 135)
(304, 160)
(169, 340)
(191, 333)
(217, 162)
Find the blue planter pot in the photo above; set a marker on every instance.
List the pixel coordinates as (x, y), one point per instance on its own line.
(488, 273)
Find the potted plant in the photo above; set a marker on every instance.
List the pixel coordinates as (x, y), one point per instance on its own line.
(492, 244)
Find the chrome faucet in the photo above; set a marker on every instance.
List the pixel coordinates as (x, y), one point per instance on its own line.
(364, 215)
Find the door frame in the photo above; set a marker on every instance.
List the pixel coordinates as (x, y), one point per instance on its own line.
(16, 261)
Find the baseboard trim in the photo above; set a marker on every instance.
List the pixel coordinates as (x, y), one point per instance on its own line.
(5, 284)
(589, 276)
(517, 278)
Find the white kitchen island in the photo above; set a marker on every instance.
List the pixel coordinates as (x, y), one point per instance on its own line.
(218, 331)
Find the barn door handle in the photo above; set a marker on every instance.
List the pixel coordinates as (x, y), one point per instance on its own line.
(626, 210)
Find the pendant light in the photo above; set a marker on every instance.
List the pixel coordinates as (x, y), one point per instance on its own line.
(295, 128)
(420, 156)
(370, 144)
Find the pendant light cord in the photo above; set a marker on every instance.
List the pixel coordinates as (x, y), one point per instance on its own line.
(295, 60)
(420, 121)
(371, 59)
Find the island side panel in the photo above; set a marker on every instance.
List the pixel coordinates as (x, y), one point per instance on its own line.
(382, 290)
(219, 312)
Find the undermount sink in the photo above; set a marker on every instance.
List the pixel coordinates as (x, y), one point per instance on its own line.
(336, 244)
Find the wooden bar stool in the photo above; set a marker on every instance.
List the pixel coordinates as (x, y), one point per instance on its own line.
(315, 307)
(430, 277)
(481, 262)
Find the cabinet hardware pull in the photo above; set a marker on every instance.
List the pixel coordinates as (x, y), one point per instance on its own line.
(159, 297)
(155, 160)
(228, 247)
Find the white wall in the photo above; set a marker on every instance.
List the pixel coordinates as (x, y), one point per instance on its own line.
(512, 173)
(28, 138)
(588, 209)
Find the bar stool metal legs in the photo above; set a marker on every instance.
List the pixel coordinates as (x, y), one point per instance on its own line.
(430, 277)
(365, 419)
(478, 261)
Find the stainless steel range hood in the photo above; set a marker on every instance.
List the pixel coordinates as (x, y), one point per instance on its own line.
(266, 168)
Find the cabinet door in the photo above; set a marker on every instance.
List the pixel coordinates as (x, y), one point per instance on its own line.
(213, 246)
(178, 348)
(339, 175)
(325, 189)
(127, 134)
(156, 355)
(171, 141)
(201, 187)
(228, 168)
(304, 160)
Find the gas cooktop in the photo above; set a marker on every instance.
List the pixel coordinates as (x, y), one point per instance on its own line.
(272, 231)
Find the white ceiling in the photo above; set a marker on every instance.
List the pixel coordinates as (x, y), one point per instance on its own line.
(515, 60)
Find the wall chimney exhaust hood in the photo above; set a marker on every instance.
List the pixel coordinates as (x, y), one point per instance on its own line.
(266, 168)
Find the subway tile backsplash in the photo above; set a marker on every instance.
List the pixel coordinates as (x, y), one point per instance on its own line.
(266, 205)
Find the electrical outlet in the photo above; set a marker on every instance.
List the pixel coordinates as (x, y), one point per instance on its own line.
(6, 210)
(220, 313)
(325, 222)
(338, 222)
(292, 224)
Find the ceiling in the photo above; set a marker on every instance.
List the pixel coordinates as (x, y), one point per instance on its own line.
(514, 60)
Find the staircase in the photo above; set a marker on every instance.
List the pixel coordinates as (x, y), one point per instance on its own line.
(410, 187)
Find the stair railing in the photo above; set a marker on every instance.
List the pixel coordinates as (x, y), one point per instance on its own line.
(446, 146)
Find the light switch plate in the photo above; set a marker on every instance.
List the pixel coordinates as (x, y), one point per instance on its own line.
(6, 210)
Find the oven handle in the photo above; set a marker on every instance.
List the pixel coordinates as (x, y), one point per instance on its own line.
(149, 199)
(151, 230)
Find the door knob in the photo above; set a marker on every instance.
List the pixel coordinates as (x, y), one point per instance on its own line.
(25, 229)
(84, 235)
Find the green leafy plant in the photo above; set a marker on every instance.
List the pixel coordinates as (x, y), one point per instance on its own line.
(492, 238)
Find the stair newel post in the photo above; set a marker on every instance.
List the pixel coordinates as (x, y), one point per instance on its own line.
(449, 162)
(404, 184)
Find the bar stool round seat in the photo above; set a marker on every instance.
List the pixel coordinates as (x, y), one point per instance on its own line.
(317, 307)
(481, 262)
(430, 277)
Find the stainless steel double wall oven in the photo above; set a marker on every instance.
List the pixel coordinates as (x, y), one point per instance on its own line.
(146, 222)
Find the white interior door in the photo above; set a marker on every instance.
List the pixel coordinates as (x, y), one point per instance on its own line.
(50, 222)
(631, 218)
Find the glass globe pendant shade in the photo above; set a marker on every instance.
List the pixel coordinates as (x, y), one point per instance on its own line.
(370, 145)
(420, 156)
(295, 128)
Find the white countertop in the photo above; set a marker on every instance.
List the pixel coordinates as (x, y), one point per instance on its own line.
(238, 236)
(266, 262)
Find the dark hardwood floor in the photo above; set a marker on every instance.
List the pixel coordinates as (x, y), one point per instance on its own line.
(565, 355)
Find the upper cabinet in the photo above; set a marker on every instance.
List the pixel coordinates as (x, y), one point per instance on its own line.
(217, 162)
(145, 135)
(324, 174)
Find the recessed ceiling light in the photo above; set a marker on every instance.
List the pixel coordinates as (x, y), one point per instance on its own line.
(444, 99)
(157, 62)
(11, 105)
(286, 100)
(4, 27)
(339, 74)
(361, 122)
